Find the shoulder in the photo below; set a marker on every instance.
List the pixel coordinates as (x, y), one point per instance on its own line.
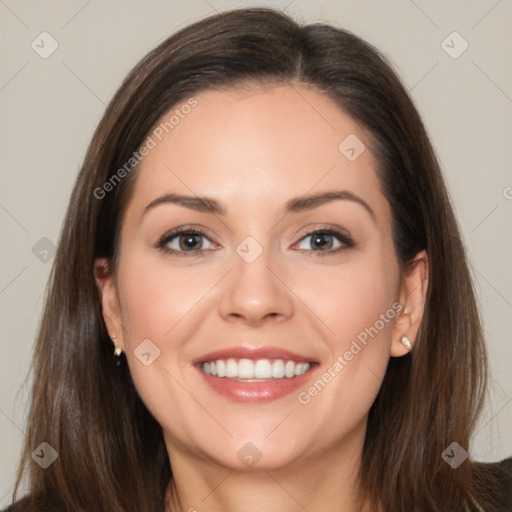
(493, 485)
(15, 507)
(23, 505)
(31, 504)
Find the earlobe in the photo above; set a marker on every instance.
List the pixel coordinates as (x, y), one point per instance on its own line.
(109, 301)
(413, 296)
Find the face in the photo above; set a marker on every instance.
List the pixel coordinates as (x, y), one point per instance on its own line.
(259, 322)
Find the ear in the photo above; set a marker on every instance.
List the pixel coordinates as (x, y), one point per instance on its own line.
(413, 294)
(109, 299)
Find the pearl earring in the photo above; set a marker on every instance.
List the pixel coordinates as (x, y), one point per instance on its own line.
(406, 342)
(117, 350)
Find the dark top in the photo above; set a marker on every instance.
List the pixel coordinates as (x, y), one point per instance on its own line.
(499, 497)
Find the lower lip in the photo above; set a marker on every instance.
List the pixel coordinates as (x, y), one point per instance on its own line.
(256, 391)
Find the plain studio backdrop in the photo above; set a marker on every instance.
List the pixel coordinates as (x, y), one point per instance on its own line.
(63, 60)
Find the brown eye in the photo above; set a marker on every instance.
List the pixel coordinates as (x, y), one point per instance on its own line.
(184, 241)
(326, 241)
(189, 241)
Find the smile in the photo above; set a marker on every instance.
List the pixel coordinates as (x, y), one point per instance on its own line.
(254, 375)
(260, 370)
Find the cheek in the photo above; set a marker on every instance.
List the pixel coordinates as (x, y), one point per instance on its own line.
(359, 354)
(156, 307)
(353, 297)
(358, 304)
(156, 297)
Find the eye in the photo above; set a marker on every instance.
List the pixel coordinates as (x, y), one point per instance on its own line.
(184, 242)
(326, 241)
(189, 242)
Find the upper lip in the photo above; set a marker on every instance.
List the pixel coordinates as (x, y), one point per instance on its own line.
(241, 352)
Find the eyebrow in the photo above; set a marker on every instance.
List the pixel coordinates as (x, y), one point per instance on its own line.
(299, 204)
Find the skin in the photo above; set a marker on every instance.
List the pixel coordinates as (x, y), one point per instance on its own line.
(253, 150)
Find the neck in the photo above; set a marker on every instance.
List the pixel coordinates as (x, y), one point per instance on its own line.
(326, 482)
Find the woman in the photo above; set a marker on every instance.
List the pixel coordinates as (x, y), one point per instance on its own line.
(197, 352)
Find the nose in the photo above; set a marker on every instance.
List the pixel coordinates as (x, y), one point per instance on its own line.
(255, 292)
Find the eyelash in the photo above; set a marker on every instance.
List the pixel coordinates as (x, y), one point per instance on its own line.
(165, 239)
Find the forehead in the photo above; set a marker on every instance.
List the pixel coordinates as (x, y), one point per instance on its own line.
(257, 146)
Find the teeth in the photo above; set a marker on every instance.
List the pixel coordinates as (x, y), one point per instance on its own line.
(289, 369)
(245, 369)
(263, 369)
(231, 368)
(259, 369)
(221, 368)
(278, 369)
(301, 368)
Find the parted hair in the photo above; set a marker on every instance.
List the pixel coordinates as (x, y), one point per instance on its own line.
(112, 455)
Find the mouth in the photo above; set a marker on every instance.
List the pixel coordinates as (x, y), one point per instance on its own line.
(255, 375)
(260, 370)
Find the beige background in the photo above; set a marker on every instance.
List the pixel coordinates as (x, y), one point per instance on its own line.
(49, 108)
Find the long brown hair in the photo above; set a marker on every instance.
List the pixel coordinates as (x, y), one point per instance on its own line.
(111, 450)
